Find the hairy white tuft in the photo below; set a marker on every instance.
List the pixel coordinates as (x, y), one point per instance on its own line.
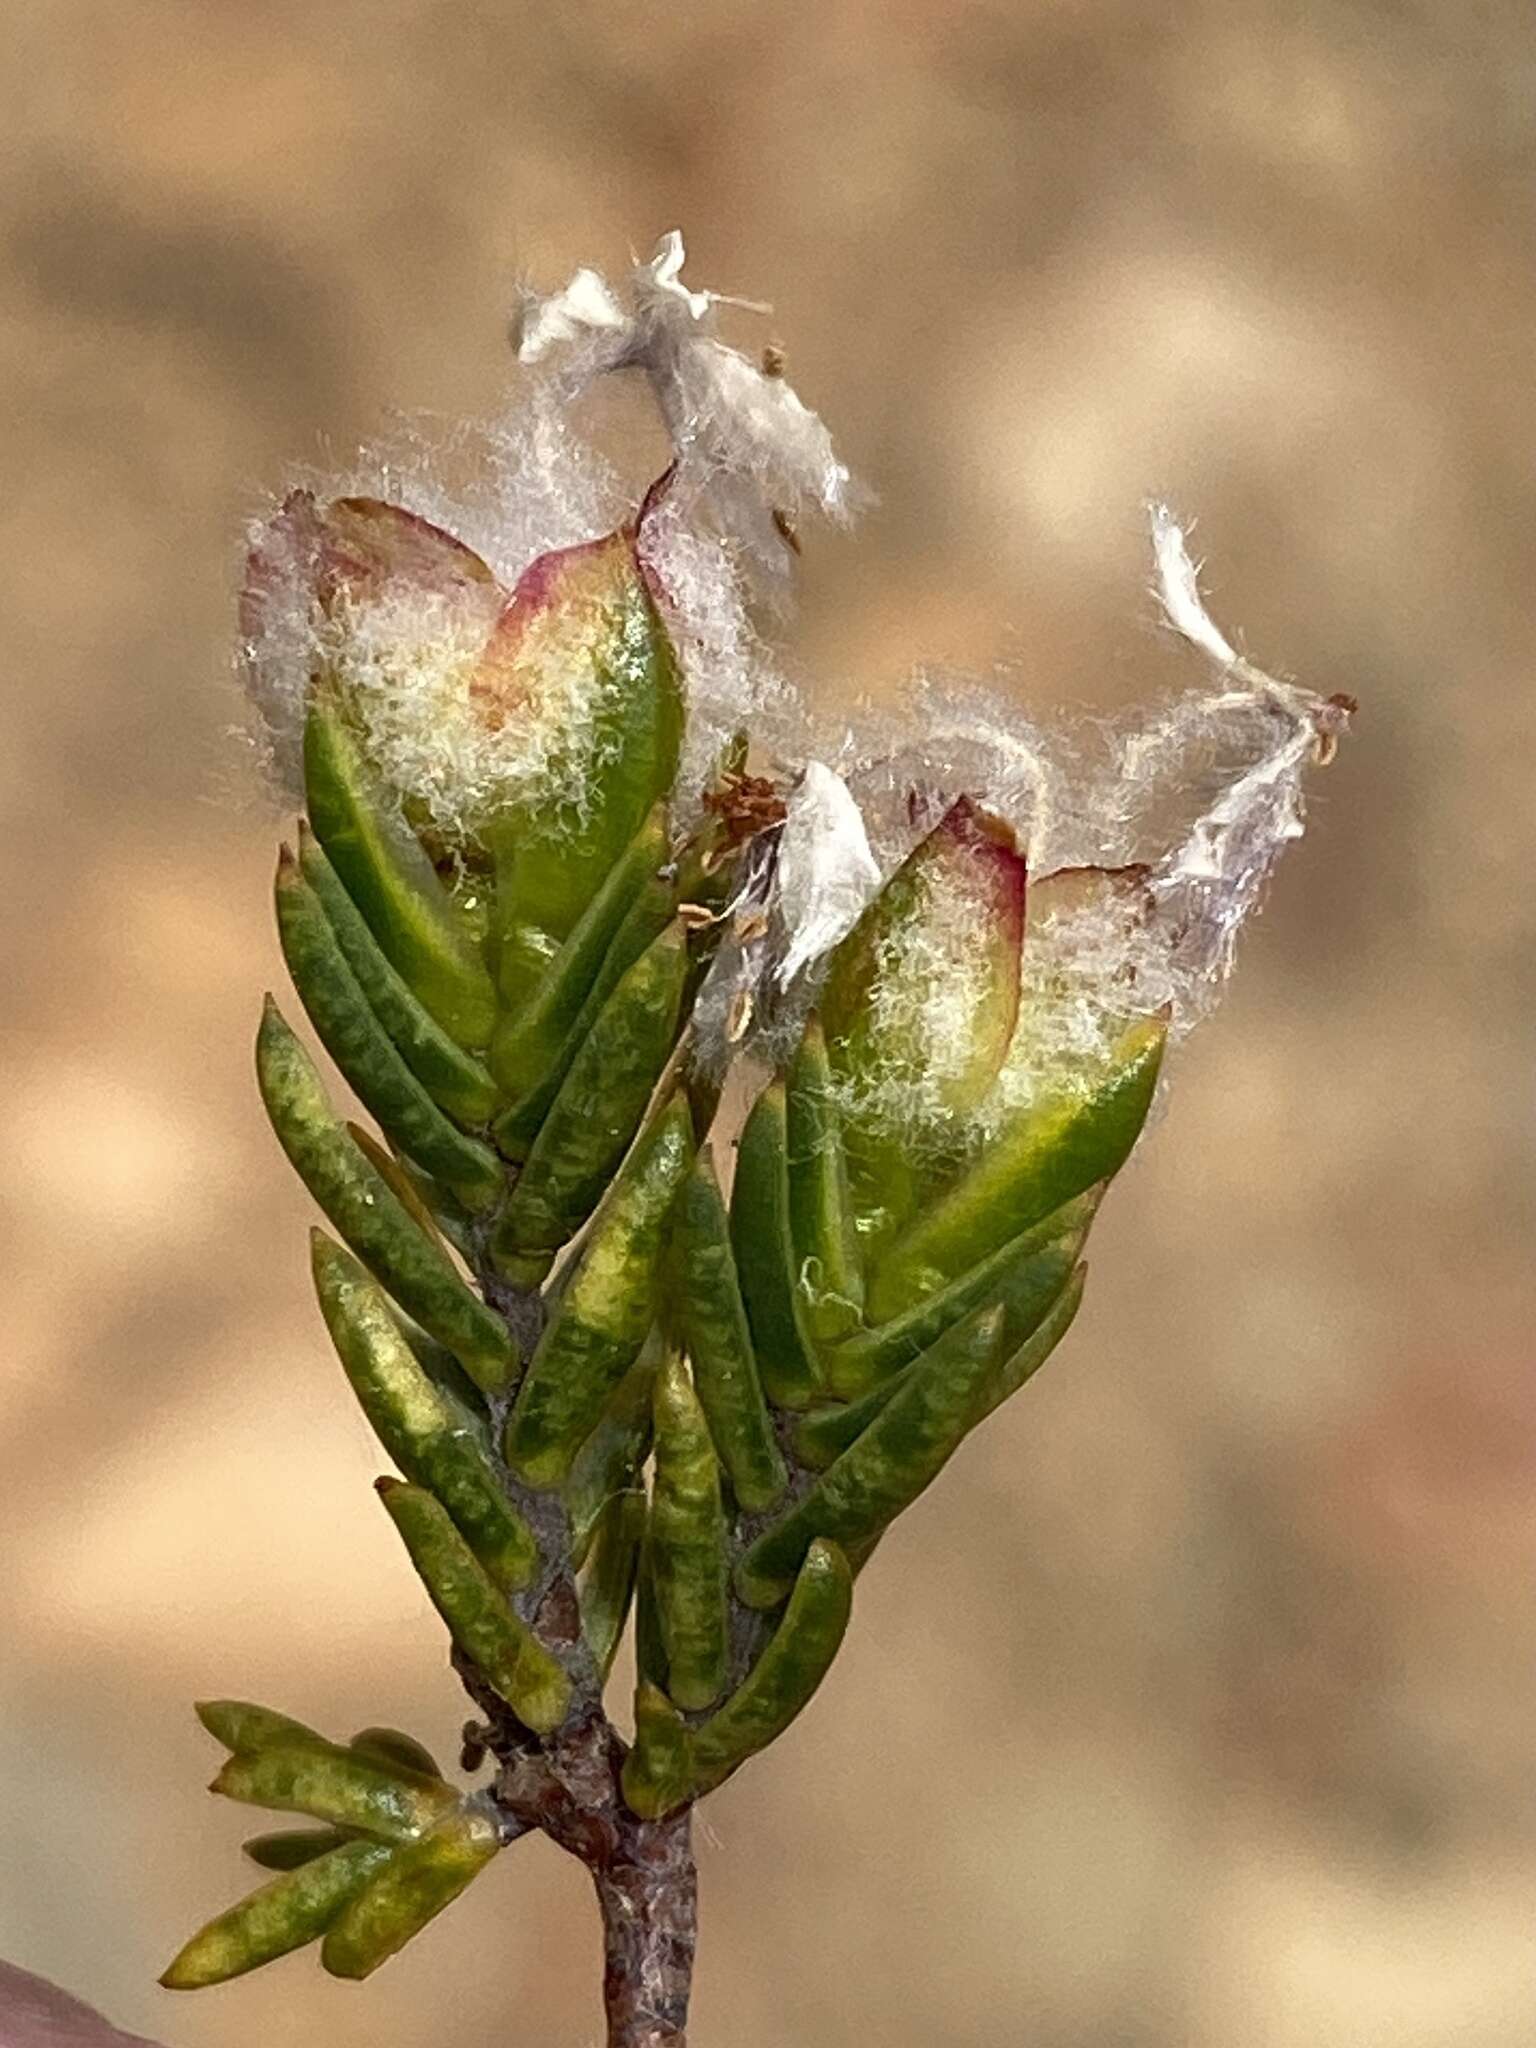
(1178, 588)
(931, 976)
(751, 444)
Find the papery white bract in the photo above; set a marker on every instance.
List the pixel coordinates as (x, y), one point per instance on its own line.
(746, 440)
(826, 871)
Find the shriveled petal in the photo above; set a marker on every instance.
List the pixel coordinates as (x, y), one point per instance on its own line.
(339, 584)
(368, 545)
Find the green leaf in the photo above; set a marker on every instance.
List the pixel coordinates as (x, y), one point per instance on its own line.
(415, 1421)
(829, 1274)
(919, 1007)
(647, 917)
(466, 1403)
(412, 1889)
(608, 1582)
(389, 876)
(455, 1079)
(609, 1463)
(288, 1913)
(658, 1772)
(407, 1188)
(1040, 1281)
(244, 1728)
(786, 1675)
(503, 1648)
(900, 1454)
(650, 1651)
(596, 1113)
(581, 657)
(687, 1539)
(392, 1746)
(367, 1056)
(388, 1239)
(765, 1256)
(1055, 1150)
(606, 1308)
(1022, 1364)
(1025, 1276)
(292, 1848)
(530, 1040)
(341, 1786)
(711, 1322)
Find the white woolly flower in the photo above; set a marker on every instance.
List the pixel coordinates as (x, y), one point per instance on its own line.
(368, 579)
(1148, 841)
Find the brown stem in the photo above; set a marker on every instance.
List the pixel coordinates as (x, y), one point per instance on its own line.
(648, 1895)
(643, 1870)
(567, 1785)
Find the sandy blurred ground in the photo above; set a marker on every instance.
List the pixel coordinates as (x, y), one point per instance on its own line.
(1197, 1708)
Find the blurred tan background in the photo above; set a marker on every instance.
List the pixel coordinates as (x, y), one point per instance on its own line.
(1198, 1706)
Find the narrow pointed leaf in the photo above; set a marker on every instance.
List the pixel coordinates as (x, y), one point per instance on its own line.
(391, 1746)
(1021, 1365)
(244, 1728)
(821, 1437)
(647, 917)
(786, 1675)
(341, 1786)
(828, 1270)
(454, 1078)
(400, 1183)
(414, 1421)
(901, 1452)
(389, 876)
(687, 1539)
(712, 1324)
(608, 1581)
(606, 1308)
(765, 1256)
(292, 1848)
(650, 1650)
(658, 1772)
(466, 1402)
(367, 1056)
(292, 1911)
(412, 1889)
(596, 1113)
(609, 1463)
(452, 1222)
(1025, 1276)
(505, 1650)
(372, 1220)
(1055, 1151)
(530, 1040)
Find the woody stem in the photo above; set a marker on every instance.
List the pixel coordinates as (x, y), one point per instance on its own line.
(648, 1895)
